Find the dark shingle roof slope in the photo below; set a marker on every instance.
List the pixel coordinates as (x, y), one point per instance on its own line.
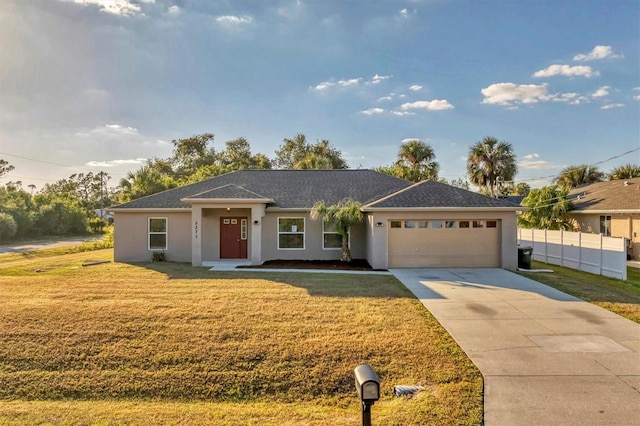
(229, 191)
(288, 188)
(623, 194)
(433, 194)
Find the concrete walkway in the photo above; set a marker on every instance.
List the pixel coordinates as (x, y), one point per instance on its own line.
(547, 358)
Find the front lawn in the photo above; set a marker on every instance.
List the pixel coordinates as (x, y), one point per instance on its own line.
(168, 343)
(621, 297)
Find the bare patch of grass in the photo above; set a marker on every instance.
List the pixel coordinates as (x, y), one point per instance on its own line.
(621, 297)
(169, 343)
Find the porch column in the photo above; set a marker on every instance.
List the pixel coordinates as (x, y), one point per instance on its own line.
(196, 235)
(257, 213)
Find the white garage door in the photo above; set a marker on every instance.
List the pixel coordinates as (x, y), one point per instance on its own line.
(444, 243)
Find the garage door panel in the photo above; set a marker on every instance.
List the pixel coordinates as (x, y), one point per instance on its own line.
(444, 247)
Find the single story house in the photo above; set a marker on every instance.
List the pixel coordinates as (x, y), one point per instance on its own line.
(610, 208)
(263, 215)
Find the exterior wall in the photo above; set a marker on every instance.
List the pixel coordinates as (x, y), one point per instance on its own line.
(378, 223)
(313, 240)
(131, 236)
(634, 250)
(622, 225)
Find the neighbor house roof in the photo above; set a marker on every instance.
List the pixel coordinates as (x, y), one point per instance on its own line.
(438, 195)
(612, 196)
(292, 189)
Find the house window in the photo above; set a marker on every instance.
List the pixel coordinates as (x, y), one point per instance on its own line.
(243, 229)
(290, 233)
(422, 224)
(478, 224)
(331, 240)
(605, 225)
(409, 224)
(157, 233)
(396, 224)
(450, 224)
(437, 224)
(464, 224)
(492, 224)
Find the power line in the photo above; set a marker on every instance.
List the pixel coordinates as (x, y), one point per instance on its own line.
(591, 165)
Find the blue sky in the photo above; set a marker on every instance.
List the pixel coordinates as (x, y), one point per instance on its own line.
(101, 85)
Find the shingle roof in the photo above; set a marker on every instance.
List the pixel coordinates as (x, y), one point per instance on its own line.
(229, 191)
(623, 194)
(288, 188)
(301, 189)
(434, 194)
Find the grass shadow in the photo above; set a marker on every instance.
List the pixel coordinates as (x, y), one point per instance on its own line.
(314, 283)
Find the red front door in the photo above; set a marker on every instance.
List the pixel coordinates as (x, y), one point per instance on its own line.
(233, 238)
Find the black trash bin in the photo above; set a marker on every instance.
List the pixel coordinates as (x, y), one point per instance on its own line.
(524, 257)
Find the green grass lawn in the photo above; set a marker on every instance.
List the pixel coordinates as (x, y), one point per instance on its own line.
(167, 343)
(621, 297)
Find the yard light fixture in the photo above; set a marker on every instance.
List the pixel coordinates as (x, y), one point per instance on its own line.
(368, 387)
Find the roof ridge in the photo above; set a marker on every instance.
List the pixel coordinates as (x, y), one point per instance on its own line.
(393, 194)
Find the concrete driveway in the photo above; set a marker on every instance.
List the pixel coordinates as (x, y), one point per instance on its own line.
(547, 358)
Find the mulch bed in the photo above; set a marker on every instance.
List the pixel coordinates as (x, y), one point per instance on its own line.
(354, 265)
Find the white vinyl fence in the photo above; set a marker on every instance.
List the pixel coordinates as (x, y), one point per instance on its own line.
(592, 253)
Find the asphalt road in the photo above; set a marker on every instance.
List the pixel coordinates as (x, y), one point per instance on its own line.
(41, 245)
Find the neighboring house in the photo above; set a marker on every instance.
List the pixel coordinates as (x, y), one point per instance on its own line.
(265, 215)
(609, 208)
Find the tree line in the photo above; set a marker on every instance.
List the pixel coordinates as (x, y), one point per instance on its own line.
(73, 206)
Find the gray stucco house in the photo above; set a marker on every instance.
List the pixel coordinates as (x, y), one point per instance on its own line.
(262, 215)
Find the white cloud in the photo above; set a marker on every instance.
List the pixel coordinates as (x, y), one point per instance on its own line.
(637, 97)
(174, 10)
(435, 105)
(402, 113)
(404, 13)
(405, 140)
(415, 87)
(385, 98)
(598, 52)
(603, 91)
(234, 20)
(373, 111)
(116, 7)
(532, 162)
(612, 106)
(116, 163)
(349, 83)
(567, 71)
(511, 94)
(570, 98)
(378, 78)
(116, 128)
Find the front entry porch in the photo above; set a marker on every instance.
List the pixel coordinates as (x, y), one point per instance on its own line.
(224, 232)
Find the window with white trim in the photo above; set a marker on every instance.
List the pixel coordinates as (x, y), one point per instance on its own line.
(291, 233)
(331, 239)
(157, 227)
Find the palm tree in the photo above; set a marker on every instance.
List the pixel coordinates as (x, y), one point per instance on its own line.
(342, 215)
(145, 181)
(416, 162)
(628, 171)
(489, 162)
(583, 174)
(313, 161)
